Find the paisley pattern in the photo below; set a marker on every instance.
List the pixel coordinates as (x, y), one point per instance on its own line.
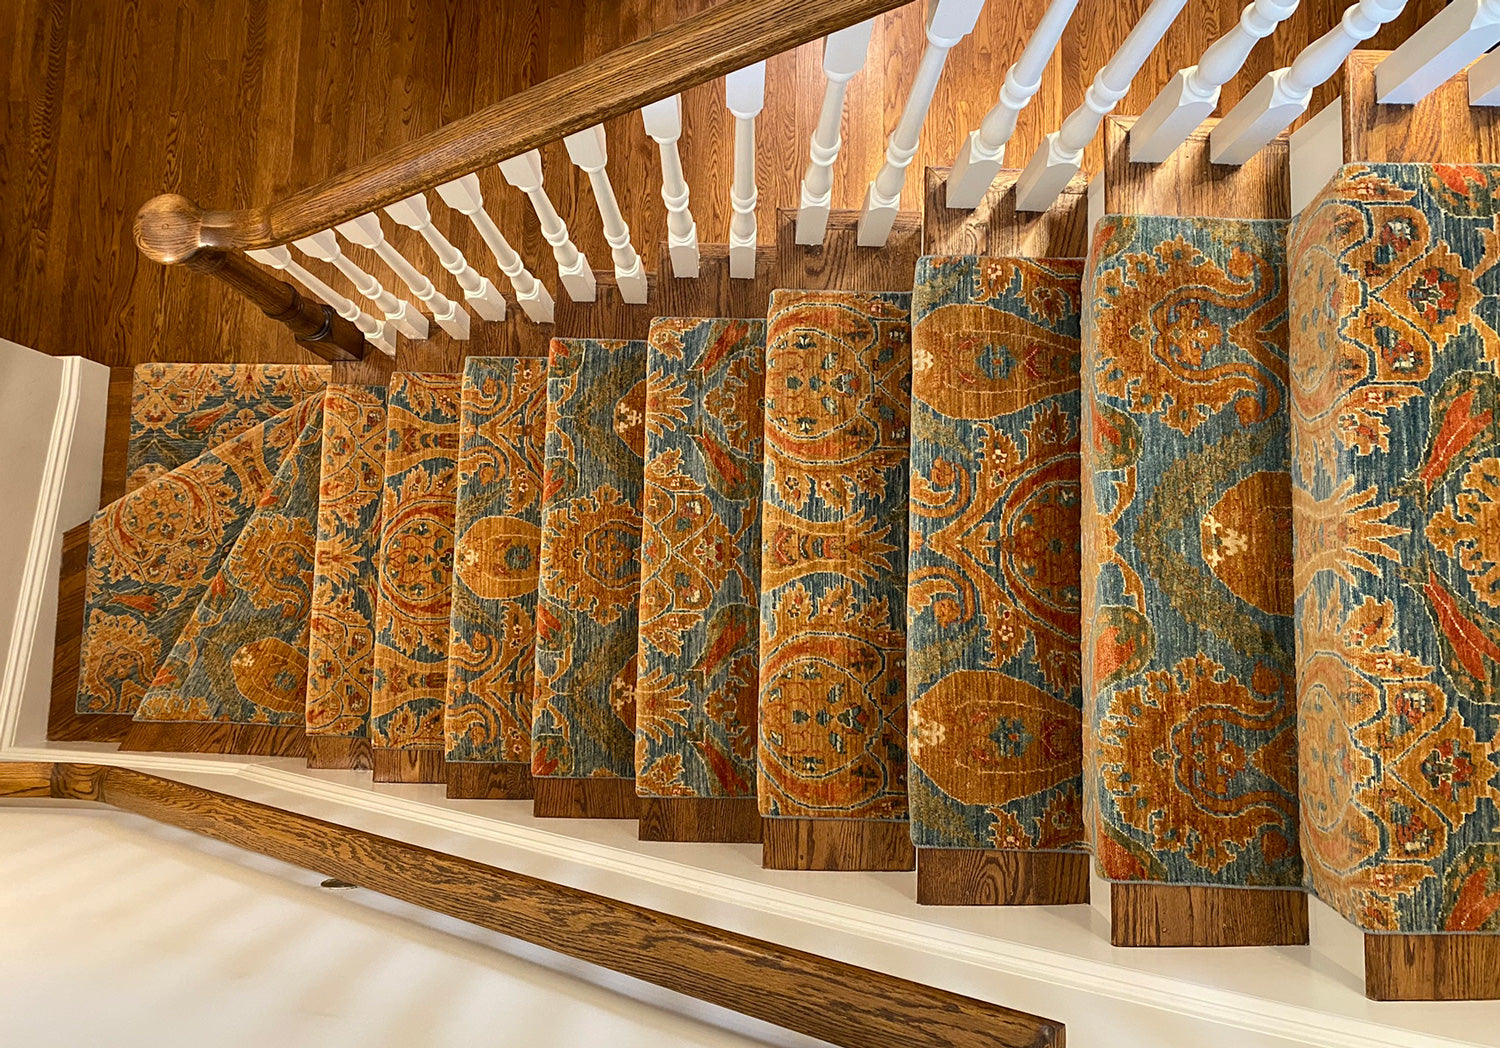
(153, 553)
(1396, 448)
(700, 569)
(1187, 630)
(491, 650)
(179, 411)
(415, 580)
(832, 733)
(242, 657)
(583, 714)
(341, 639)
(992, 585)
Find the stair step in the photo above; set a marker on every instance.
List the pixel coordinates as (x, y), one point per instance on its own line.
(341, 634)
(415, 586)
(583, 721)
(700, 577)
(992, 593)
(492, 649)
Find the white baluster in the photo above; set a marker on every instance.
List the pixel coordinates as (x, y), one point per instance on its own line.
(1061, 154)
(948, 22)
(380, 334)
(744, 96)
(408, 319)
(587, 149)
(573, 270)
(464, 195)
(983, 152)
(1193, 94)
(1484, 81)
(1283, 94)
(413, 213)
(843, 55)
(366, 232)
(1453, 38)
(663, 121)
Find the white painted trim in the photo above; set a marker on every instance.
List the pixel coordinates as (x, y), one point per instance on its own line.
(1316, 154)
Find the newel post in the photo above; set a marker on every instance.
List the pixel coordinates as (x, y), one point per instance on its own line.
(169, 229)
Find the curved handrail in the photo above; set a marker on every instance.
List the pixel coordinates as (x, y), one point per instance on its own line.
(172, 229)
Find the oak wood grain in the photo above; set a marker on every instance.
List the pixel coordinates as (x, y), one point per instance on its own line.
(25, 779)
(333, 753)
(503, 781)
(836, 844)
(995, 228)
(840, 264)
(608, 316)
(601, 798)
(816, 996)
(1181, 915)
(1454, 967)
(413, 764)
(261, 740)
(720, 820)
(1442, 128)
(986, 877)
(117, 413)
(1188, 183)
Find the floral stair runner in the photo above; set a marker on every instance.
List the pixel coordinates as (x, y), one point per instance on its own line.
(415, 580)
(583, 718)
(492, 645)
(236, 679)
(993, 578)
(341, 640)
(1187, 626)
(700, 573)
(832, 732)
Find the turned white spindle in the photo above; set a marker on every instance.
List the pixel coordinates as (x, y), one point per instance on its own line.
(324, 247)
(983, 152)
(1451, 39)
(1283, 94)
(1061, 154)
(573, 270)
(844, 54)
(486, 300)
(464, 196)
(380, 334)
(948, 22)
(366, 232)
(744, 96)
(587, 150)
(663, 120)
(1193, 93)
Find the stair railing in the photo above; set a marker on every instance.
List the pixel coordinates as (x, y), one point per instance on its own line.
(1060, 157)
(983, 153)
(1193, 93)
(1450, 40)
(663, 122)
(744, 96)
(1283, 94)
(173, 230)
(843, 56)
(590, 153)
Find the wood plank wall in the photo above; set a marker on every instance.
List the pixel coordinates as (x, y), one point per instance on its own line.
(236, 102)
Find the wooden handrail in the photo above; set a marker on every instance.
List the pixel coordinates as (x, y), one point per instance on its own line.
(816, 996)
(717, 41)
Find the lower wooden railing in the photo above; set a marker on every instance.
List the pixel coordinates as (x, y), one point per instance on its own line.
(835, 1002)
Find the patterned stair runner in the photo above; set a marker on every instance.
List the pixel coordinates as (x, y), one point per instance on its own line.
(832, 732)
(1396, 500)
(583, 721)
(1187, 554)
(153, 553)
(241, 659)
(341, 641)
(492, 646)
(415, 581)
(179, 411)
(700, 563)
(993, 577)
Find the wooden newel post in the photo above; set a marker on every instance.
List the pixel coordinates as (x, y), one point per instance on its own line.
(170, 229)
